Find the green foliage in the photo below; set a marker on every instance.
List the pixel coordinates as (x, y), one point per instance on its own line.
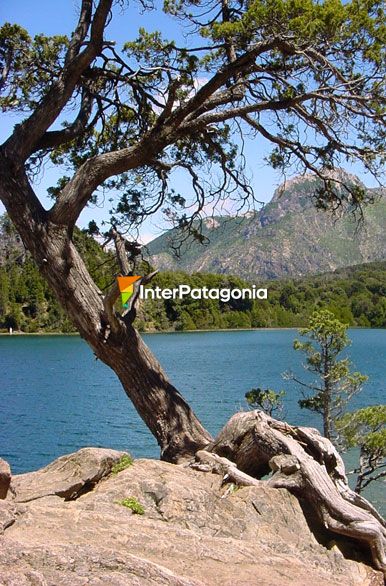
(290, 302)
(366, 429)
(335, 383)
(266, 399)
(32, 63)
(232, 489)
(125, 462)
(312, 51)
(132, 504)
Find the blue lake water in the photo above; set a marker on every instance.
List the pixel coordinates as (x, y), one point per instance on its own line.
(56, 398)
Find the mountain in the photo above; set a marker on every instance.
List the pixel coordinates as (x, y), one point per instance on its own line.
(288, 237)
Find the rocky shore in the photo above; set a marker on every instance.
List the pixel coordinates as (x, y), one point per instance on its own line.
(94, 518)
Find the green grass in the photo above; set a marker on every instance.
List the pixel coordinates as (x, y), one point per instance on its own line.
(132, 504)
(124, 462)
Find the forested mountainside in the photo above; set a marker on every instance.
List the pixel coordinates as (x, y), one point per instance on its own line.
(289, 237)
(357, 295)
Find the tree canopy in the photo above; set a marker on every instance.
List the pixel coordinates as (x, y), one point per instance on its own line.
(366, 429)
(305, 75)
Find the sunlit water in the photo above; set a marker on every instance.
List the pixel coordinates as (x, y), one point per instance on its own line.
(55, 397)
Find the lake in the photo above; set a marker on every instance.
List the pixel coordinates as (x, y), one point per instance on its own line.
(56, 398)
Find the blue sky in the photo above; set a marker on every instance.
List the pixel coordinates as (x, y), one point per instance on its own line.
(59, 17)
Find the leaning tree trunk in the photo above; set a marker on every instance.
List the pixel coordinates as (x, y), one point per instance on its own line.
(307, 464)
(167, 415)
(114, 341)
(165, 412)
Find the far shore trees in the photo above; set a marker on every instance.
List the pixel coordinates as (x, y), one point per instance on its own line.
(120, 121)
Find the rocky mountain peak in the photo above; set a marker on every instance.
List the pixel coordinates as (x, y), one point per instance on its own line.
(306, 184)
(288, 237)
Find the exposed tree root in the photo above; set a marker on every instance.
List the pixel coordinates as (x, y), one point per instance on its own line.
(302, 461)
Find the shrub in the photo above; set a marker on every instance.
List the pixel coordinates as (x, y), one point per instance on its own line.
(124, 462)
(131, 503)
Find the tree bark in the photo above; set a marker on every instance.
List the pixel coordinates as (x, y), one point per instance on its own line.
(327, 419)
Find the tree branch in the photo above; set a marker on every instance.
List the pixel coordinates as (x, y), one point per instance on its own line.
(22, 142)
(75, 195)
(120, 250)
(226, 73)
(208, 462)
(81, 30)
(56, 138)
(89, 176)
(130, 315)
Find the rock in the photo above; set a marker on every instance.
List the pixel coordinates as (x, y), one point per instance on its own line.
(68, 476)
(74, 565)
(8, 513)
(20, 578)
(5, 478)
(193, 532)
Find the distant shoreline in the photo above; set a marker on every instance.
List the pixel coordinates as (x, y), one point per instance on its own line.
(271, 329)
(38, 334)
(18, 334)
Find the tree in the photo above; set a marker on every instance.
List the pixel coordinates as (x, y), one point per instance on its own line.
(266, 399)
(278, 69)
(335, 384)
(144, 111)
(366, 429)
(4, 292)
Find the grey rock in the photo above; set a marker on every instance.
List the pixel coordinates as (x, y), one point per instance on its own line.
(68, 476)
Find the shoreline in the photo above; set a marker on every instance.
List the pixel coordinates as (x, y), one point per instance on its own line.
(214, 330)
(38, 334)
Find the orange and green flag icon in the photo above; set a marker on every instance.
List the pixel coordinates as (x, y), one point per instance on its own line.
(126, 288)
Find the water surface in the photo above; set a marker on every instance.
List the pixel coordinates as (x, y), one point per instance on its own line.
(55, 397)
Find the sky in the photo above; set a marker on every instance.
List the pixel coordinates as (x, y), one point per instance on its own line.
(59, 17)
